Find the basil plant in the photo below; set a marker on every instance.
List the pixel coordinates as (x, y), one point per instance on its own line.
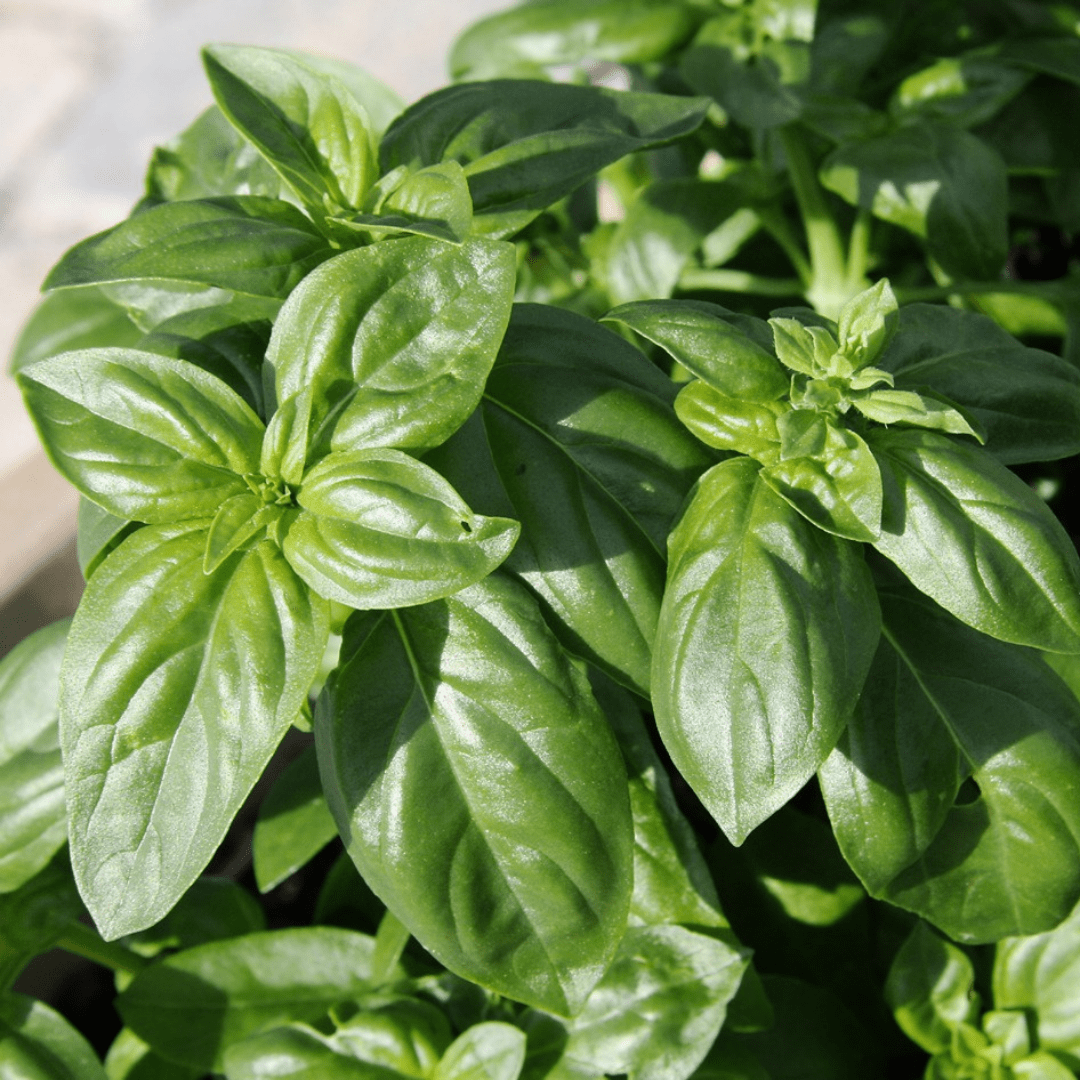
(620, 681)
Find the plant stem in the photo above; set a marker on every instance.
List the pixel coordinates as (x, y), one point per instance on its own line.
(858, 251)
(779, 229)
(82, 941)
(972, 288)
(739, 281)
(390, 941)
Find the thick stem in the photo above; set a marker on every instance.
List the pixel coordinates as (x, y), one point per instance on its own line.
(739, 281)
(858, 252)
(82, 941)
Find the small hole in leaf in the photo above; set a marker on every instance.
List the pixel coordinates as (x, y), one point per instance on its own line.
(969, 792)
(466, 527)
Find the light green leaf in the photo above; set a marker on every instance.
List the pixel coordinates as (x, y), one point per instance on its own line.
(294, 823)
(98, 533)
(191, 1006)
(163, 728)
(487, 1051)
(143, 436)
(304, 121)
(378, 529)
(238, 520)
(915, 410)
(731, 423)
(975, 538)
(37, 1043)
(33, 820)
(866, 324)
(394, 342)
(950, 792)
(806, 349)
(766, 633)
(483, 797)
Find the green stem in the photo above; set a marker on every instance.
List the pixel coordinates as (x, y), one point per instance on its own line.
(739, 281)
(779, 229)
(971, 288)
(390, 941)
(82, 941)
(859, 251)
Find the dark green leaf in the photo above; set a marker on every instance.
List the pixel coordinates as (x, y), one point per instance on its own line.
(939, 182)
(72, 319)
(394, 340)
(37, 1043)
(1026, 401)
(33, 821)
(294, 823)
(944, 703)
(975, 538)
(305, 122)
(129, 1058)
(531, 37)
(143, 436)
(766, 633)
(191, 1006)
(1057, 56)
(163, 727)
(525, 144)
(482, 797)
(965, 90)
(248, 245)
(378, 529)
(485, 1051)
(298, 1050)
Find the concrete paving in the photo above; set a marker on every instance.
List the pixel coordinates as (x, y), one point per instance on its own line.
(89, 87)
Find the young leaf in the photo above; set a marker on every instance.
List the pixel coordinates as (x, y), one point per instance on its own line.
(143, 436)
(33, 820)
(944, 703)
(238, 520)
(248, 245)
(482, 797)
(731, 423)
(294, 823)
(306, 123)
(915, 410)
(975, 538)
(39, 1044)
(525, 144)
(163, 728)
(485, 1051)
(378, 529)
(866, 324)
(394, 341)
(191, 1006)
(766, 633)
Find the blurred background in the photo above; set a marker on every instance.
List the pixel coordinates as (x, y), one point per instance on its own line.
(87, 89)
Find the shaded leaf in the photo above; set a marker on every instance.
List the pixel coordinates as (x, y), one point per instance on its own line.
(39, 1044)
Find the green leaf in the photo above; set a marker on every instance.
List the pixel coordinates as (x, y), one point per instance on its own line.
(394, 341)
(164, 729)
(717, 350)
(37, 1043)
(487, 1051)
(248, 245)
(578, 441)
(532, 37)
(378, 529)
(937, 181)
(143, 436)
(99, 533)
(482, 798)
(914, 410)
(867, 322)
(931, 989)
(965, 90)
(983, 857)
(1025, 400)
(975, 538)
(659, 1006)
(72, 319)
(766, 633)
(525, 144)
(1040, 973)
(305, 122)
(129, 1058)
(294, 823)
(33, 821)
(191, 1006)
(731, 423)
(837, 486)
(238, 520)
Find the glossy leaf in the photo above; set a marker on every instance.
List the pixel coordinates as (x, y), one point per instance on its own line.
(524, 40)
(143, 436)
(248, 245)
(975, 538)
(305, 122)
(766, 633)
(294, 823)
(577, 440)
(37, 1043)
(701, 338)
(659, 1006)
(33, 821)
(394, 340)
(191, 1006)
(525, 144)
(98, 534)
(486, 1051)
(482, 798)
(163, 729)
(944, 703)
(1026, 401)
(236, 522)
(913, 410)
(729, 423)
(937, 181)
(378, 529)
